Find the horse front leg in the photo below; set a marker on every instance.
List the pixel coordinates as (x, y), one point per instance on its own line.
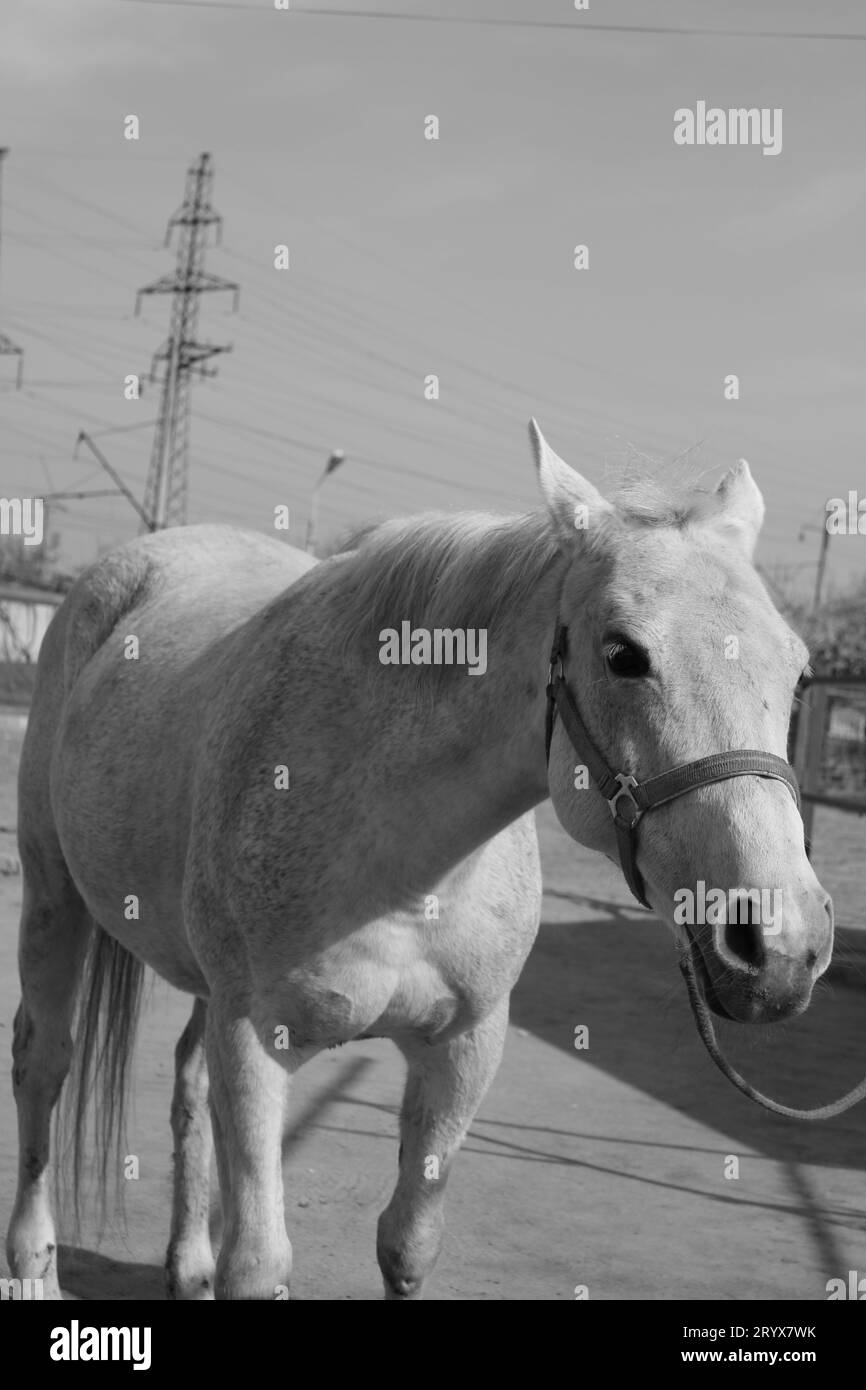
(445, 1086)
(248, 1093)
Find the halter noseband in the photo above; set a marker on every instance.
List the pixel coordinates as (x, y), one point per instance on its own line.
(628, 799)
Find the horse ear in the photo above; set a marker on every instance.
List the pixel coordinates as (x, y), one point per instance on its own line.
(573, 503)
(740, 506)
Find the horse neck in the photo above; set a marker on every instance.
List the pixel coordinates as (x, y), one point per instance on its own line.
(467, 760)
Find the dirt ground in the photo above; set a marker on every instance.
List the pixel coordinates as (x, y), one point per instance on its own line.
(604, 1167)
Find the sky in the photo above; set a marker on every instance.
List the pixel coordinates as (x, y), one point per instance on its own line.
(452, 257)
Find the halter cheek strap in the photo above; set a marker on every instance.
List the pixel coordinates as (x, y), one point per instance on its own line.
(628, 799)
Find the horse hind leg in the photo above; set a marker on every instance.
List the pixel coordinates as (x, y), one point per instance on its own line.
(445, 1086)
(55, 928)
(189, 1262)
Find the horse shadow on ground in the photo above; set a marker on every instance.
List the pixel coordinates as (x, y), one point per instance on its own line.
(619, 977)
(90, 1275)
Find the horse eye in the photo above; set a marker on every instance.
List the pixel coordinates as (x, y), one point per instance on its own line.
(625, 659)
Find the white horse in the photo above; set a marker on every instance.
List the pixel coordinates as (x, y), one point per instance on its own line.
(222, 780)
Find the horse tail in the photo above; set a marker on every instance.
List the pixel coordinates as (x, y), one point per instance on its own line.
(109, 1005)
(109, 997)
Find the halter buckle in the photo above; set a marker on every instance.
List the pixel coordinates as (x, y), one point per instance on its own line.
(626, 783)
(556, 667)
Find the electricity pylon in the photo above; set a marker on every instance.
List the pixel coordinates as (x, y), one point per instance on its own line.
(166, 489)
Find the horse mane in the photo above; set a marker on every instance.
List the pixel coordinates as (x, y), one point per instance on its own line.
(442, 570)
(469, 569)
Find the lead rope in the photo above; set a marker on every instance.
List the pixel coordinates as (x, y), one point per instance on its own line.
(708, 1038)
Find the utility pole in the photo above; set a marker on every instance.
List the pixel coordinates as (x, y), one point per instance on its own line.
(166, 488)
(822, 562)
(7, 347)
(822, 565)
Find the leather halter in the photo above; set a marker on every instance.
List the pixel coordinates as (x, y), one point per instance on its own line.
(641, 797)
(628, 799)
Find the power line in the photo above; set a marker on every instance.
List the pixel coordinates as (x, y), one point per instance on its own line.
(362, 320)
(509, 388)
(35, 240)
(659, 442)
(264, 434)
(67, 414)
(282, 438)
(83, 202)
(81, 353)
(329, 328)
(502, 22)
(401, 470)
(98, 272)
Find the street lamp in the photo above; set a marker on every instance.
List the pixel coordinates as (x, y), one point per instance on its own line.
(334, 461)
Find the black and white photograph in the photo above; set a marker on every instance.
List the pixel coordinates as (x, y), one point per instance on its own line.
(433, 665)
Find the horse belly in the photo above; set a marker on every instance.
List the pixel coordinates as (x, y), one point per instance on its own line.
(360, 991)
(410, 973)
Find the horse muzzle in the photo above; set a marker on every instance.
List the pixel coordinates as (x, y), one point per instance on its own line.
(768, 988)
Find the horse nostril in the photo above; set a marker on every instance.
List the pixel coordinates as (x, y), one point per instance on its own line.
(745, 941)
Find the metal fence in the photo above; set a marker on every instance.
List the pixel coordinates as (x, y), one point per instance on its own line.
(830, 746)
